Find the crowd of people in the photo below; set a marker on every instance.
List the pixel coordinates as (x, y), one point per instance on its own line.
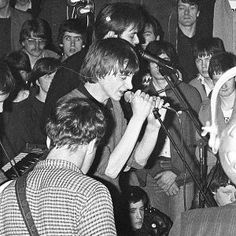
(119, 131)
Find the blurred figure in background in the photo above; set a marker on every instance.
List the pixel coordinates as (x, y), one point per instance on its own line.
(22, 118)
(34, 36)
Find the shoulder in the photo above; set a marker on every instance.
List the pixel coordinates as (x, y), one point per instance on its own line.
(75, 93)
(15, 13)
(75, 61)
(49, 53)
(88, 187)
(194, 82)
(21, 96)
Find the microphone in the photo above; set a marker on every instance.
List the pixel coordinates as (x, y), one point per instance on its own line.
(159, 61)
(129, 96)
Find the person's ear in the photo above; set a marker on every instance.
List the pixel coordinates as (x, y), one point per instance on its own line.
(37, 82)
(198, 13)
(110, 34)
(61, 45)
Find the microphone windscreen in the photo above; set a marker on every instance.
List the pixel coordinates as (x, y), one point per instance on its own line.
(128, 96)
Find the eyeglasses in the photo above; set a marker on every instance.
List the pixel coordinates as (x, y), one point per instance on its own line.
(33, 41)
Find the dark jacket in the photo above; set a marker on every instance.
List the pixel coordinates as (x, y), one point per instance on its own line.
(183, 133)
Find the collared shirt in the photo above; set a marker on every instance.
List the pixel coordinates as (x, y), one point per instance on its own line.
(204, 84)
(25, 7)
(62, 201)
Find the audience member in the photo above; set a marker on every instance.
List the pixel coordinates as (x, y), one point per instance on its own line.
(220, 63)
(57, 11)
(32, 7)
(11, 21)
(67, 201)
(7, 84)
(34, 36)
(22, 119)
(122, 20)
(185, 35)
(165, 179)
(19, 64)
(203, 50)
(220, 185)
(216, 221)
(71, 37)
(152, 30)
(143, 219)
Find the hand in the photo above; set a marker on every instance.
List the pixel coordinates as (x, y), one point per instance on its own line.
(142, 105)
(225, 195)
(161, 110)
(173, 190)
(165, 179)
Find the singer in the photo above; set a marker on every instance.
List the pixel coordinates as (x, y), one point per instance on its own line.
(107, 73)
(165, 175)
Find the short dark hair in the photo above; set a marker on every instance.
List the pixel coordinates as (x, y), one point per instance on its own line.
(106, 55)
(133, 194)
(18, 60)
(77, 26)
(7, 82)
(156, 48)
(191, 2)
(75, 122)
(38, 27)
(207, 46)
(118, 17)
(150, 20)
(44, 66)
(221, 62)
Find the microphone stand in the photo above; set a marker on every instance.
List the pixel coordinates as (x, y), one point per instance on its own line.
(169, 74)
(208, 198)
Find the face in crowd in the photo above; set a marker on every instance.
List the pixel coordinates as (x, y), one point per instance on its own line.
(34, 46)
(227, 88)
(136, 211)
(71, 43)
(202, 64)
(187, 14)
(45, 81)
(131, 35)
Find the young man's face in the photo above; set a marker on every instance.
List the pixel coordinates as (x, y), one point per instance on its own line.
(187, 14)
(72, 43)
(131, 35)
(34, 46)
(227, 88)
(114, 86)
(202, 64)
(45, 81)
(154, 68)
(4, 3)
(149, 36)
(136, 211)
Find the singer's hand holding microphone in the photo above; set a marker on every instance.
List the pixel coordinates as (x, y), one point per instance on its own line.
(143, 106)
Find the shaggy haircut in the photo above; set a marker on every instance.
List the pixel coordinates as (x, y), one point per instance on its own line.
(75, 122)
(106, 56)
(118, 17)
